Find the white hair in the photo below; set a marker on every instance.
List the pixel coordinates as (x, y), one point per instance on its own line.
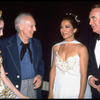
(19, 19)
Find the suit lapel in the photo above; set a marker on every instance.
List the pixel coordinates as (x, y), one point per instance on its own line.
(13, 52)
(35, 54)
(92, 55)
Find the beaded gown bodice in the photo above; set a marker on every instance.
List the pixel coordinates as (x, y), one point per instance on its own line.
(65, 65)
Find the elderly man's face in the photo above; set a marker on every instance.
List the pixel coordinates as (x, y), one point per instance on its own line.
(94, 17)
(28, 27)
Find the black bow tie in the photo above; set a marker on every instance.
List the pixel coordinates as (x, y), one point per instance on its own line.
(23, 50)
(97, 36)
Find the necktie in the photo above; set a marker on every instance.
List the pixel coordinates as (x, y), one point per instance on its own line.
(23, 50)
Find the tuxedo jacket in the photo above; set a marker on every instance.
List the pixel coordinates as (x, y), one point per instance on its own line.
(11, 61)
(92, 66)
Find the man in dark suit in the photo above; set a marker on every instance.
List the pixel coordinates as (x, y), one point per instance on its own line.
(22, 57)
(94, 52)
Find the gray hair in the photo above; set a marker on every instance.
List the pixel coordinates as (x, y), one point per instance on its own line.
(95, 6)
(19, 20)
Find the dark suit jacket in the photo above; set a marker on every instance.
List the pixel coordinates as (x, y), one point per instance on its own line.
(11, 60)
(93, 68)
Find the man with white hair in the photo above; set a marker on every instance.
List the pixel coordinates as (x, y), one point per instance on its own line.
(22, 57)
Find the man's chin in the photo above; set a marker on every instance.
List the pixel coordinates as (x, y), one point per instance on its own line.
(31, 36)
(96, 32)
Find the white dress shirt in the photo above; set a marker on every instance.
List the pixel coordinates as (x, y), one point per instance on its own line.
(97, 52)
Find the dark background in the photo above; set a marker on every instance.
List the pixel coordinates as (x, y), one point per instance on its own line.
(47, 15)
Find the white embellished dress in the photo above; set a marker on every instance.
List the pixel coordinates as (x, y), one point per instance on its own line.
(67, 79)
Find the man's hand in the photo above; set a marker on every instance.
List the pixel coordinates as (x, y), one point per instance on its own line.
(37, 81)
(92, 82)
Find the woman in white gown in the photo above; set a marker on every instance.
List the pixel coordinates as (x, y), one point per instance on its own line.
(68, 75)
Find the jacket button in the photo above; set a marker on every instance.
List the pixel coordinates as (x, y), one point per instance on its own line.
(18, 76)
(17, 86)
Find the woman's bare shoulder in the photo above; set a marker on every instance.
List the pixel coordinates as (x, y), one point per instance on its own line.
(56, 47)
(82, 48)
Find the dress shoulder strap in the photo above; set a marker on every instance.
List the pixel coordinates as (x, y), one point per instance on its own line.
(77, 48)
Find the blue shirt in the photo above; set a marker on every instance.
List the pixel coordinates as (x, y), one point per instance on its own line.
(27, 69)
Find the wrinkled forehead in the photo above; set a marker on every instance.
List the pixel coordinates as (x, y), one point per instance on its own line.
(29, 19)
(94, 12)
